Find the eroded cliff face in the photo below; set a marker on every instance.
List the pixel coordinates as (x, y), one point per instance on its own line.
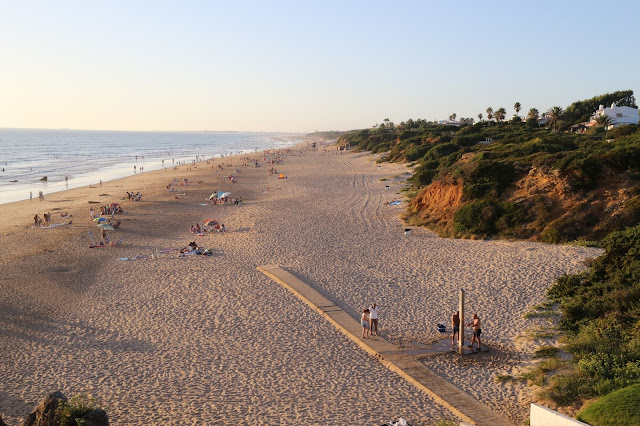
(436, 203)
(555, 211)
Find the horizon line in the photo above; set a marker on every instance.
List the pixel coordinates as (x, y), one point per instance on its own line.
(157, 131)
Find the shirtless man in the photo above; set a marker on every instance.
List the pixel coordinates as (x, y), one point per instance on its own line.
(455, 323)
(476, 330)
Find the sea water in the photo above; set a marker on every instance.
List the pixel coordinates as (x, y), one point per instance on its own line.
(74, 158)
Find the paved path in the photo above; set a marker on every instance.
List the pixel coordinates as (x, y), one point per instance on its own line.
(400, 361)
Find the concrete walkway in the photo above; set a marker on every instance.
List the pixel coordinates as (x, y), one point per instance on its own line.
(400, 361)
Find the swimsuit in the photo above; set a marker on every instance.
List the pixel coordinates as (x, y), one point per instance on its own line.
(477, 332)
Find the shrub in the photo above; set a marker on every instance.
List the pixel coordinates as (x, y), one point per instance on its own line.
(71, 412)
(416, 152)
(441, 150)
(620, 131)
(485, 176)
(601, 310)
(477, 217)
(423, 176)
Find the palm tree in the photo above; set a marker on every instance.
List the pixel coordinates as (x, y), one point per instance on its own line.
(500, 114)
(604, 120)
(480, 117)
(489, 114)
(553, 115)
(533, 113)
(517, 107)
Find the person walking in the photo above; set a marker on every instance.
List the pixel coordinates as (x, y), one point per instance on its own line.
(373, 319)
(455, 324)
(364, 321)
(477, 330)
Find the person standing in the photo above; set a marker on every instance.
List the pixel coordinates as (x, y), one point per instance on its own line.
(373, 319)
(30, 195)
(455, 324)
(477, 330)
(364, 321)
(103, 238)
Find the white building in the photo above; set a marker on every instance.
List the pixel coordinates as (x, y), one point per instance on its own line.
(620, 115)
(450, 123)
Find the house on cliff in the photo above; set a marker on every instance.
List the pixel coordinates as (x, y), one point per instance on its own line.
(619, 115)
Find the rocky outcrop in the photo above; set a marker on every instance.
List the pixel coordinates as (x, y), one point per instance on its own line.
(45, 413)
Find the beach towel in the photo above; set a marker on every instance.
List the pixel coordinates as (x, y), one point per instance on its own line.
(135, 257)
(53, 225)
(395, 203)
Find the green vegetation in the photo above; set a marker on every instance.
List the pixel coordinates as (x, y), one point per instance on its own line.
(534, 179)
(329, 134)
(504, 378)
(446, 423)
(72, 411)
(538, 375)
(619, 408)
(601, 318)
(566, 174)
(546, 352)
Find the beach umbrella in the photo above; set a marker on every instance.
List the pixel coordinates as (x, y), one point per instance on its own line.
(225, 195)
(210, 222)
(220, 194)
(99, 219)
(106, 226)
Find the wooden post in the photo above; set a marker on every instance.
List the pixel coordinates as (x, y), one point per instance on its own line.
(461, 332)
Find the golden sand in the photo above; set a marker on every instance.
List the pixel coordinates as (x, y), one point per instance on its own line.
(200, 339)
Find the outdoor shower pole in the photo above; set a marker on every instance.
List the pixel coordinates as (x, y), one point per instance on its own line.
(461, 332)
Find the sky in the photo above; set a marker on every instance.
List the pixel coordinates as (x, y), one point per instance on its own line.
(301, 66)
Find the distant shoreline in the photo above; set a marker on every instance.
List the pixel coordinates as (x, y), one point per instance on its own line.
(110, 161)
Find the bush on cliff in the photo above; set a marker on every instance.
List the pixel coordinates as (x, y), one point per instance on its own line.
(601, 316)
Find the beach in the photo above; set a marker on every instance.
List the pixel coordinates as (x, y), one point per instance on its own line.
(200, 339)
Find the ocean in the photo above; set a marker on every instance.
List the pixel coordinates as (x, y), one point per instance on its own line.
(74, 158)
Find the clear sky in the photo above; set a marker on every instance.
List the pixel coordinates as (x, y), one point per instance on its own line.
(304, 65)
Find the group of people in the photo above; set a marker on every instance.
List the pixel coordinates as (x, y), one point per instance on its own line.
(134, 197)
(193, 248)
(369, 321)
(197, 229)
(475, 323)
(214, 199)
(110, 209)
(44, 221)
